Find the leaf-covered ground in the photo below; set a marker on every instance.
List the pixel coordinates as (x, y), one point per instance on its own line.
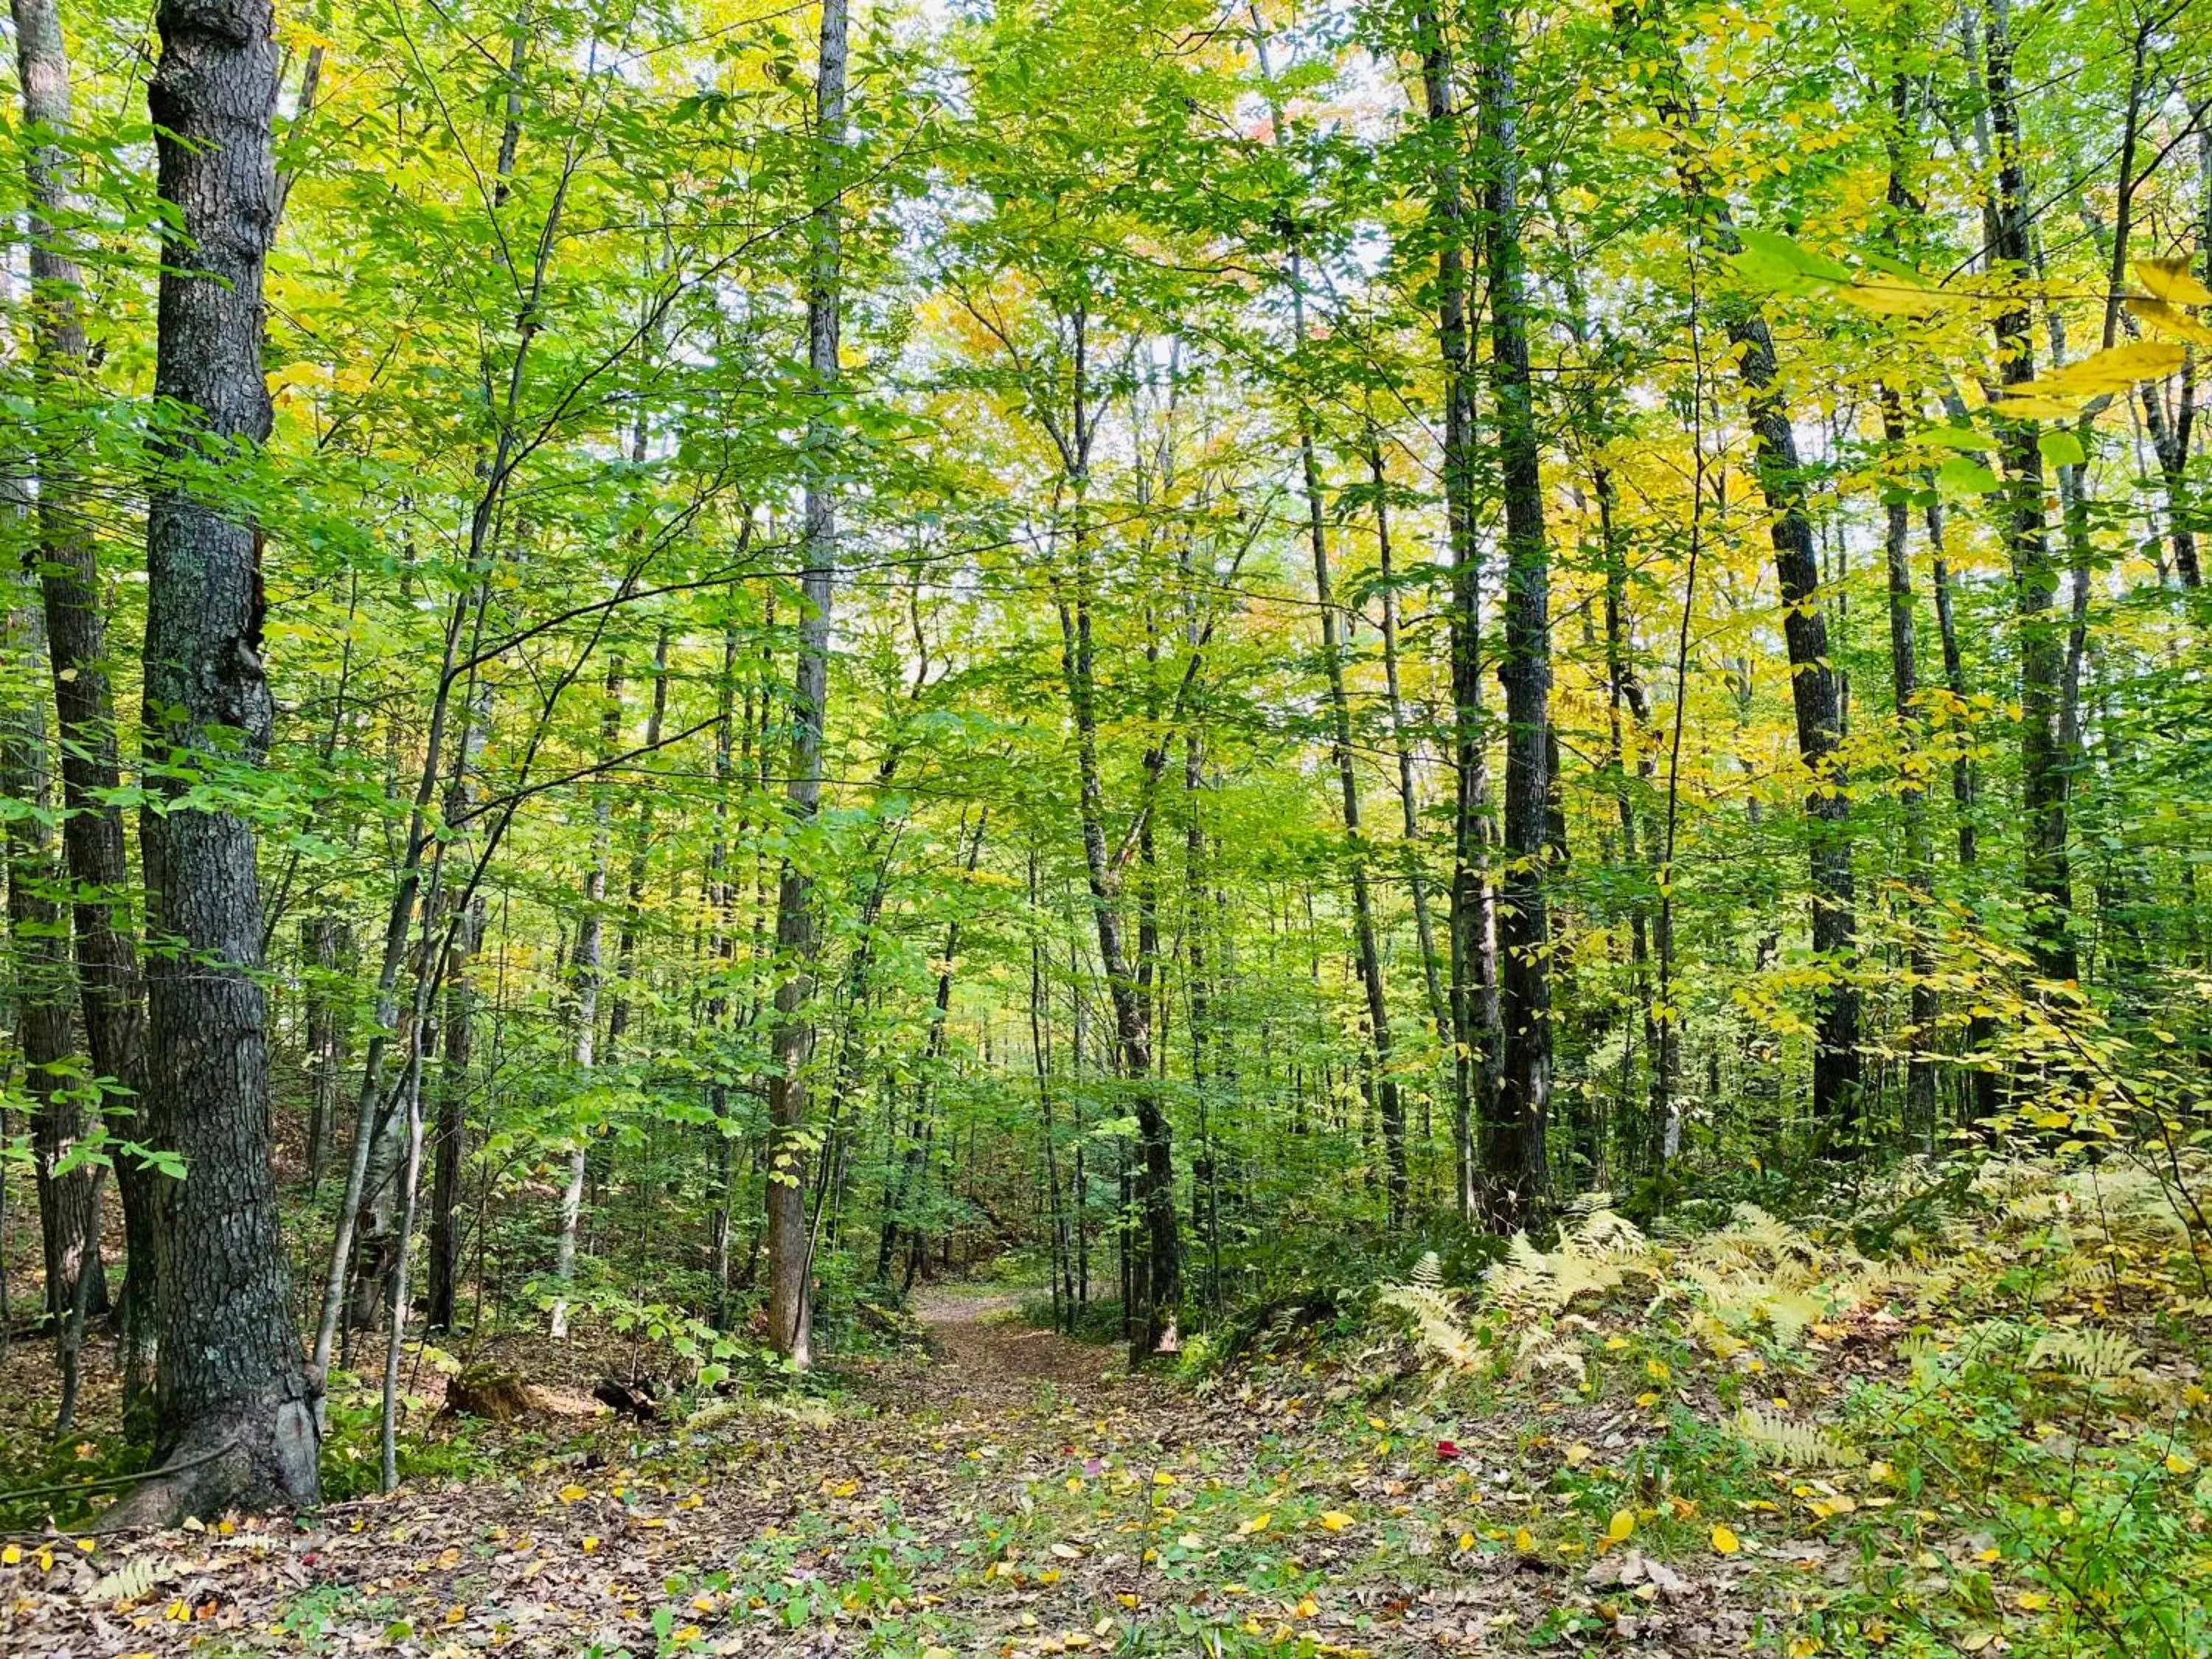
(1017, 1494)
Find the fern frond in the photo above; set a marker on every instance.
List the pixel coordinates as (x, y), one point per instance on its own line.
(1783, 1440)
(2091, 1354)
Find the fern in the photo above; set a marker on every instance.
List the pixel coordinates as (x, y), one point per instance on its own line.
(131, 1580)
(1436, 1323)
(1428, 1273)
(2093, 1354)
(1782, 1440)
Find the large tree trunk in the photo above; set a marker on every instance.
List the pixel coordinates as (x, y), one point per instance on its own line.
(790, 1306)
(236, 1408)
(110, 988)
(1514, 1164)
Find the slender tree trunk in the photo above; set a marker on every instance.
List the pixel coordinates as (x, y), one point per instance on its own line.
(591, 929)
(1416, 875)
(110, 987)
(1515, 1161)
(1924, 1008)
(1478, 1047)
(1365, 948)
(1816, 691)
(237, 1415)
(2046, 876)
(791, 1305)
(69, 1213)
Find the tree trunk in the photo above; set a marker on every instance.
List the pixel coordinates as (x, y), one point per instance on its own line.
(1477, 1046)
(591, 929)
(110, 988)
(1514, 1164)
(791, 1305)
(2046, 877)
(1815, 690)
(237, 1419)
(69, 1216)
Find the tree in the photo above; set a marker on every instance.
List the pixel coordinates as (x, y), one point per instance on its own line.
(236, 1408)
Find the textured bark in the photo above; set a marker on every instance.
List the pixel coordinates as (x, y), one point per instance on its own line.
(69, 1216)
(1516, 1170)
(110, 988)
(232, 1389)
(449, 1132)
(1924, 1006)
(2047, 877)
(1478, 1048)
(790, 1306)
(1817, 699)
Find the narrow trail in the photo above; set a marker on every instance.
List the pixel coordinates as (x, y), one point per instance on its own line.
(986, 1359)
(1014, 1495)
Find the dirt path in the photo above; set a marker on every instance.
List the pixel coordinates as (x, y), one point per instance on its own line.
(987, 1359)
(1015, 1496)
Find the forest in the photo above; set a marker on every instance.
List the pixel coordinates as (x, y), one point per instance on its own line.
(1169, 826)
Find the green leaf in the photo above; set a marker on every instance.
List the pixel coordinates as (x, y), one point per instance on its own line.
(2061, 448)
(1962, 477)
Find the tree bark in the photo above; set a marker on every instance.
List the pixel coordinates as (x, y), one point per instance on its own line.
(1478, 1047)
(791, 1305)
(1516, 1172)
(231, 1390)
(1815, 690)
(2046, 876)
(111, 991)
(69, 1216)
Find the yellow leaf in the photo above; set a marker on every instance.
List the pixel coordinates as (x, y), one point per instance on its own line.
(1616, 1344)
(1336, 1520)
(1377, 1424)
(1524, 1540)
(2112, 370)
(2180, 1462)
(1724, 1541)
(2170, 280)
(1467, 1540)
(2032, 1600)
(591, 1544)
(1577, 1454)
(570, 1493)
(1891, 294)
(1623, 1523)
(11, 1555)
(2171, 320)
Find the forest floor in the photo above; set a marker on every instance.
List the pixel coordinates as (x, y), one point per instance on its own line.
(1012, 1493)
